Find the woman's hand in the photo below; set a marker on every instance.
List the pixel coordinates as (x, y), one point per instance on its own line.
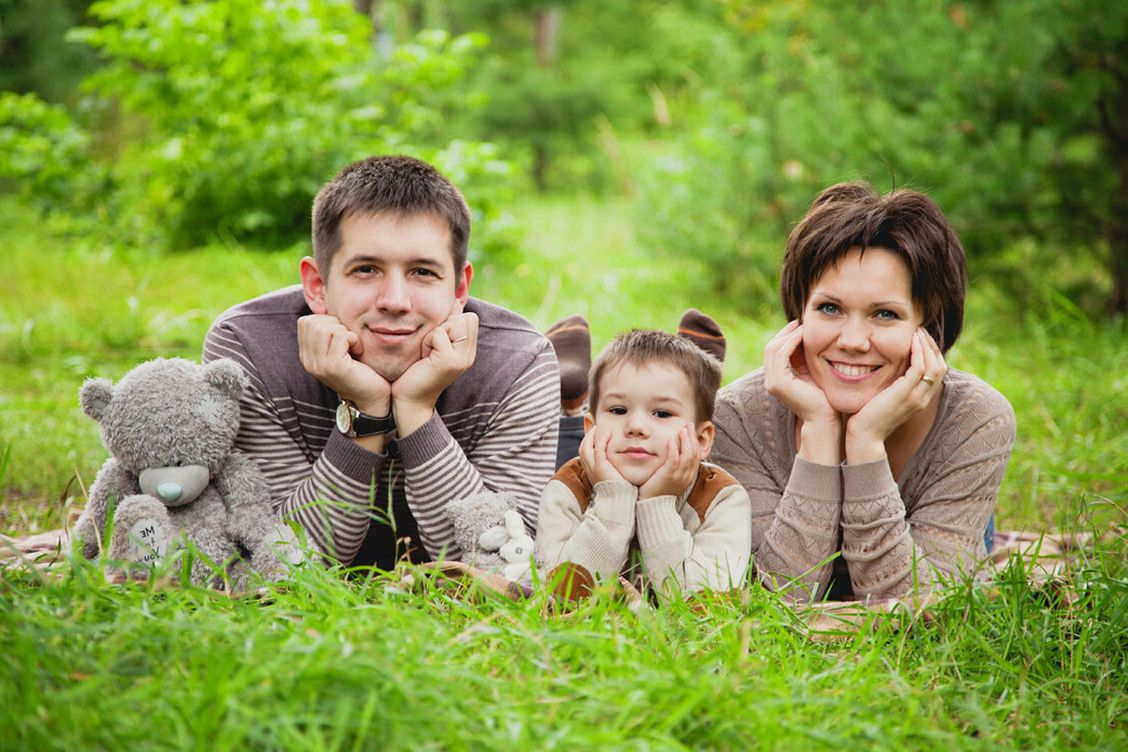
(788, 379)
(867, 429)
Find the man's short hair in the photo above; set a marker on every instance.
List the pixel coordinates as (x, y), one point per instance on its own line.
(641, 347)
(396, 185)
(908, 223)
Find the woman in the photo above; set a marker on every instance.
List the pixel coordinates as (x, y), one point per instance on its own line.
(855, 437)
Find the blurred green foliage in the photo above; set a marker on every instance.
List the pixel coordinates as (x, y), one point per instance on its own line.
(231, 114)
(219, 118)
(1013, 115)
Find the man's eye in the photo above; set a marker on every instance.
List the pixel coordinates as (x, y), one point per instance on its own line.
(425, 273)
(364, 269)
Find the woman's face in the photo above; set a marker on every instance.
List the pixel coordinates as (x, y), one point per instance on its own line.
(858, 327)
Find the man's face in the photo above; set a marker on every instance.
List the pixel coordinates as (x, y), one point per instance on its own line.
(644, 408)
(391, 282)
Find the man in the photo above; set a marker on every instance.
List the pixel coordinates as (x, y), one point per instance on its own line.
(380, 390)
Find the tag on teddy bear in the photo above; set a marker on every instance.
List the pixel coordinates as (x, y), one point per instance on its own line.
(147, 545)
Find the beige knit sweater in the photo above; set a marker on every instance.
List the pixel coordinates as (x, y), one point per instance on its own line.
(894, 536)
(700, 539)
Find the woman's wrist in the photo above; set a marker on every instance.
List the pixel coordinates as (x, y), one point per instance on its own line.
(821, 442)
(863, 447)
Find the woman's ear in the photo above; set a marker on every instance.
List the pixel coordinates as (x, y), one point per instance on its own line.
(705, 435)
(313, 285)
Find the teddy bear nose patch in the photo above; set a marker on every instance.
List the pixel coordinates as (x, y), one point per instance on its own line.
(174, 485)
(169, 491)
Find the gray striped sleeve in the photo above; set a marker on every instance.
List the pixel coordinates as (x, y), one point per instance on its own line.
(330, 495)
(516, 454)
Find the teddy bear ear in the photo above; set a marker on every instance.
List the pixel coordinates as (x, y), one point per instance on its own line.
(226, 375)
(95, 397)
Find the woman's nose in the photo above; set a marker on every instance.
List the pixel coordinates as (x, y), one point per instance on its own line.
(854, 335)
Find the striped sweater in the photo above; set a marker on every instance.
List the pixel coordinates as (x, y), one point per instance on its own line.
(494, 428)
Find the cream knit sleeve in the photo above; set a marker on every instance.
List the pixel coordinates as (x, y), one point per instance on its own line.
(596, 539)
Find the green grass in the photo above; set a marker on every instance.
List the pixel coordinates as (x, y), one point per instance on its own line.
(334, 663)
(329, 663)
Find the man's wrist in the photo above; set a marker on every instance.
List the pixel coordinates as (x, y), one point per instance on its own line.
(411, 416)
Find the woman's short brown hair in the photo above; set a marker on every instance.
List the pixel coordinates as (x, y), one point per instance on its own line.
(852, 215)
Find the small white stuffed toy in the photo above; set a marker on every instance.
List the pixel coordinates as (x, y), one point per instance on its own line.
(518, 550)
(491, 535)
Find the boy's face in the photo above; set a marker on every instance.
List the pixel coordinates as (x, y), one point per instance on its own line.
(643, 407)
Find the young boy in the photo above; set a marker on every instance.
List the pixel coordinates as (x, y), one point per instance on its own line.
(640, 477)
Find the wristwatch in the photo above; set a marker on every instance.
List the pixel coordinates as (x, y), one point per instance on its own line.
(356, 425)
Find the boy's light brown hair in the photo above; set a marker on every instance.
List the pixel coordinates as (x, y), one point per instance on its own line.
(641, 347)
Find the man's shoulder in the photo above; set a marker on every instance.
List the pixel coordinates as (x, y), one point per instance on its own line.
(500, 321)
(505, 337)
(286, 304)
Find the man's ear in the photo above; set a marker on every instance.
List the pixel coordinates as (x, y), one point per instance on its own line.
(589, 422)
(462, 285)
(313, 285)
(705, 434)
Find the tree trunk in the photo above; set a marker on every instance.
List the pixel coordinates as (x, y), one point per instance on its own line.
(546, 45)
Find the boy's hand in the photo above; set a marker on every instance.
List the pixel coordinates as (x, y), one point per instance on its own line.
(683, 457)
(593, 456)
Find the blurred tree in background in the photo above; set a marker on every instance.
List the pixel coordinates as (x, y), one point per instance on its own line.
(1013, 115)
(723, 117)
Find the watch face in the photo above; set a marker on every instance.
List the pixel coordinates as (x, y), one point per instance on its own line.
(344, 418)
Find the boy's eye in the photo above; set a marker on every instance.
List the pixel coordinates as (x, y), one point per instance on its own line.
(663, 414)
(617, 410)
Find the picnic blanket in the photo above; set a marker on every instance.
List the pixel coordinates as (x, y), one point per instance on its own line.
(1044, 557)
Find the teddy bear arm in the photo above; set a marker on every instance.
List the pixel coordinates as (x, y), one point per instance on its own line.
(251, 518)
(113, 484)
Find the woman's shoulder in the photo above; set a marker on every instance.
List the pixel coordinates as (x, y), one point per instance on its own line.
(745, 390)
(970, 404)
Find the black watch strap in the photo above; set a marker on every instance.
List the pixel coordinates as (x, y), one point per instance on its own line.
(355, 424)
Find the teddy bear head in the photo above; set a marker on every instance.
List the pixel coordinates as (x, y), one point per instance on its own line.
(170, 421)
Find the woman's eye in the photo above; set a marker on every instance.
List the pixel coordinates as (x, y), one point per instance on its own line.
(828, 308)
(887, 315)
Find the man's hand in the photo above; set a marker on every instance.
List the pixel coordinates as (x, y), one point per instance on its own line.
(593, 456)
(328, 352)
(683, 457)
(448, 352)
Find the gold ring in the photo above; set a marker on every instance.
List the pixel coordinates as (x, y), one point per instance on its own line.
(928, 380)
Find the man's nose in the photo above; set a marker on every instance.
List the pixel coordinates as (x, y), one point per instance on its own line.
(394, 295)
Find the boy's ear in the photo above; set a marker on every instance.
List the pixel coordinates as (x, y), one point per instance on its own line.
(588, 422)
(705, 435)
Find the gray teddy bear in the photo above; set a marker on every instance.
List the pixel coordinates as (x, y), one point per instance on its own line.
(170, 427)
